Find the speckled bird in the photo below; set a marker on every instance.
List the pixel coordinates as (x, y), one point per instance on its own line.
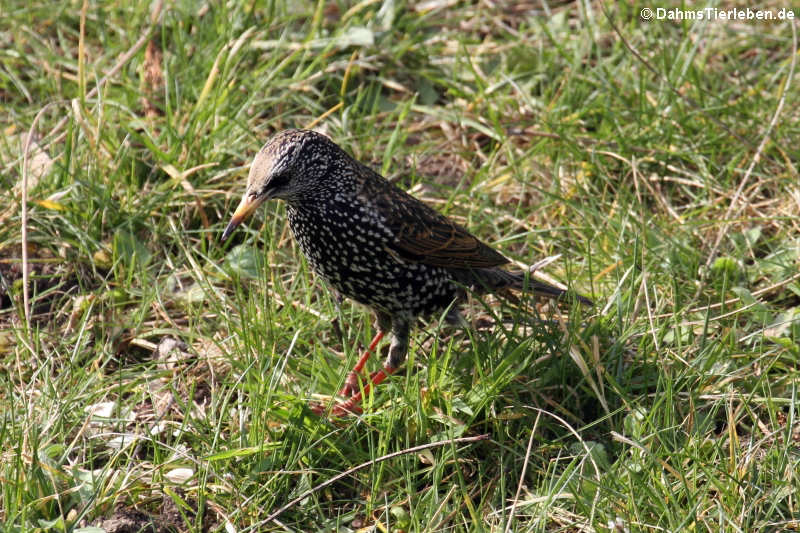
(374, 243)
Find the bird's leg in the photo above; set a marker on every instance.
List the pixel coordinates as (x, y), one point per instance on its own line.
(351, 404)
(383, 323)
(397, 354)
(351, 382)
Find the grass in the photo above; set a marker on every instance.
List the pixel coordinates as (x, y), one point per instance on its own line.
(162, 380)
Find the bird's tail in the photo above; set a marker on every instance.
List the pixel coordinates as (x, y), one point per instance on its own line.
(496, 279)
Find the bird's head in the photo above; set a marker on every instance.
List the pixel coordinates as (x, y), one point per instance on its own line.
(287, 167)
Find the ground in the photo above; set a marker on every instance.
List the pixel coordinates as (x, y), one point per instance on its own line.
(156, 379)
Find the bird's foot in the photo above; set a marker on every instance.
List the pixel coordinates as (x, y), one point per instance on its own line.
(350, 385)
(318, 408)
(352, 391)
(348, 407)
(351, 405)
(340, 410)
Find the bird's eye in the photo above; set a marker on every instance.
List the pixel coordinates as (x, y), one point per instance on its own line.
(279, 180)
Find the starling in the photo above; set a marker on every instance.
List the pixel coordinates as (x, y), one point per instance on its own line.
(374, 243)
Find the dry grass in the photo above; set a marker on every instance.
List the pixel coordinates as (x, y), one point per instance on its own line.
(157, 380)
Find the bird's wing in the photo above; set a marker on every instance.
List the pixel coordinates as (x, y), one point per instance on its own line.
(422, 234)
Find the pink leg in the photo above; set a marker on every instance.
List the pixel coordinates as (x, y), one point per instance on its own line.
(351, 387)
(351, 405)
(351, 383)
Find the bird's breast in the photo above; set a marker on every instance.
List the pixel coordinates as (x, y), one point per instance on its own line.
(339, 241)
(350, 248)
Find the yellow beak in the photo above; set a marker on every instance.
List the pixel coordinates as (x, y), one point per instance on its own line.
(246, 207)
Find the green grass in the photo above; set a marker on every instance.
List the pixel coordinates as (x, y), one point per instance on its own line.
(658, 158)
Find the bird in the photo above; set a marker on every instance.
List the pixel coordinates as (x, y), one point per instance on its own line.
(376, 244)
